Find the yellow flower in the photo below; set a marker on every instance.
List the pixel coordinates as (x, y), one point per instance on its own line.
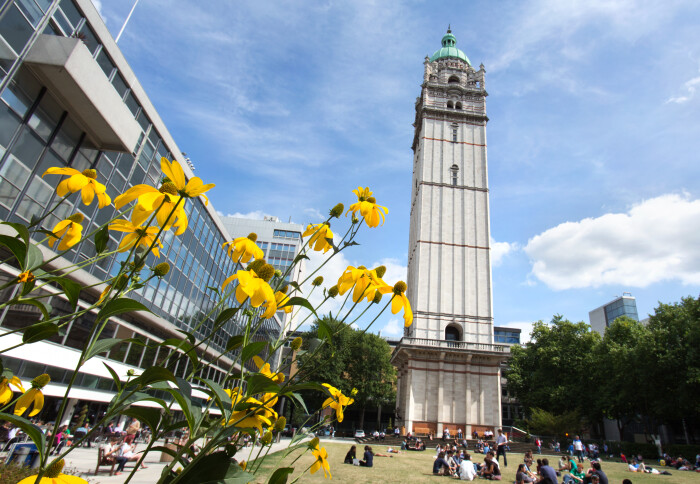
(164, 201)
(400, 301)
(6, 391)
(368, 208)
(255, 288)
(242, 464)
(365, 281)
(190, 189)
(68, 231)
(53, 475)
(321, 462)
(137, 234)
(25, 276)
(256, 414)
(84, 181)
(337, 401)
(244, 248)
(281, 299)
(265, 370)
(33, 396)
(319, 235)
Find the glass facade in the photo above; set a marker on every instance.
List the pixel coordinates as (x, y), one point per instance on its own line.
(502, 335)
(624, 306)
(37, 133)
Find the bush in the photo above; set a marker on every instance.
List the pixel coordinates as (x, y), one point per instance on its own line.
(687, 451)
(14, 472)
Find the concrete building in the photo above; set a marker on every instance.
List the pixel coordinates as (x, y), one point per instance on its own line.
(602, 317)
(69, 98)
(449, 368)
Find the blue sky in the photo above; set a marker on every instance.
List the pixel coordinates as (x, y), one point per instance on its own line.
(593, 137)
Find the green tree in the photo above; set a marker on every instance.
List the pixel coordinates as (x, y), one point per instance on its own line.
(622, 387)
(553, 372)
(547, 423)
(675, 356)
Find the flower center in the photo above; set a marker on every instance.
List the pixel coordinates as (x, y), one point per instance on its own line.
(54, 469)
(399, 288)
(77, 218)
(40, 382)
(372, 200)
(253, 236)
(90, 173)
(168, 187)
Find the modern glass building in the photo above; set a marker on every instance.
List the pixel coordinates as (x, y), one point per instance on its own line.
(602, 317)
(69, 98)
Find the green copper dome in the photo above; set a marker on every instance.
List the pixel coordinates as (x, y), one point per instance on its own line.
(449, 50)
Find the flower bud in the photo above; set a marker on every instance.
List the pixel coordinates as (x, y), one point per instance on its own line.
(278, 273)
(313, 443)
(54, 470)
(318, 281)
(377, 297)
(333, 291)
(280, 424)
(296, 343)
(380, 271)
(41, 381)
(253, 236)
(353, 392)
(130, 373)
(121, 282)
(284, 289)
(399, 288)
(243, 464)
(248, 312)
(25, 276)
(354, 218)
(337, 211)
(161, 269)
(266, 438)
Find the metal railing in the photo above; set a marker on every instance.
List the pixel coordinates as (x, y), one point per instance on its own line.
(460, 345)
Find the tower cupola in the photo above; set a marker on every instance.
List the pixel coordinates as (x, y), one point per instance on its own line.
(449, 49)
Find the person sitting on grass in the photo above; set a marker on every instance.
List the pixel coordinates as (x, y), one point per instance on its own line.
(368, 460)
(467, 469)
(596, 470)
(575, 476)
(440, 466)
(547, 474)
(351, 455)
(491, 470)
(522, 475)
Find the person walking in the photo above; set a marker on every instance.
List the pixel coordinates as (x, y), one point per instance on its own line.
(578, 448)
(501, 442)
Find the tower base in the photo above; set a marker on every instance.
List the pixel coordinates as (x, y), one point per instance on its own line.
(448, 385)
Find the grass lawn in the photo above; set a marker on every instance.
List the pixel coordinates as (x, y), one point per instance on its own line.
(415, 467)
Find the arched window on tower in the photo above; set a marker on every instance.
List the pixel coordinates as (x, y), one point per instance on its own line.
(453, 80)
(458, 105)
(454, 171)
(450, 105)
(452, 335)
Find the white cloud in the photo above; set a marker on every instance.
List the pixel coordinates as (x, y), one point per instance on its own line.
(255, 215)
(393, 328)
(656, 240)
(690, 88)
(315, 213)
(501, 249)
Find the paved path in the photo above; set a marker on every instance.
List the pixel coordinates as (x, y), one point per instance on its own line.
(84, 460)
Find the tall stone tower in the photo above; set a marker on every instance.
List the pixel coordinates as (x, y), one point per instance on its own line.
(448, 366)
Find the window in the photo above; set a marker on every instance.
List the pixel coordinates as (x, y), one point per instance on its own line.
(454, 171)
(458, 105)
(454, 134)
(450, 105)
(452, 333)
(453, 80)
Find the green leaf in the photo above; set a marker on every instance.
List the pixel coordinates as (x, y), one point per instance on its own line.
(299, 301)
(34, 257)
(106, 344)
(119, 306)
(32, 431)
(188, 335)
(215, 289)
(306, 386)
(216, 468)
(115, 377)
(301, 257)
(324, 331)
(101, 239)
(252, 349)
(281, 475)
(151, 416)
(21, 230)
(300, 401)
(38, 332)
(225, 315)
(258, 383)
(350, 244)
(17, 247)
(222, 398)
(70, 288)
(234, 342)
(154, 374)
(27, 287)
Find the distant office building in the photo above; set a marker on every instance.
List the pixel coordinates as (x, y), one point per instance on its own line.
(602, 317)
(510, 407)
(68, 97)
(510, 336)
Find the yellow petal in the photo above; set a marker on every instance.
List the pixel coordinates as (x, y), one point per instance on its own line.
(174, 172)
(132, 194)
(55, 170)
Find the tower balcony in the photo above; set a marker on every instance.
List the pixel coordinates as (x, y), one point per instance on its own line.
(454, 345)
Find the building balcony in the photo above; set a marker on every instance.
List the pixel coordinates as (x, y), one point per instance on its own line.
(454, 345)
(67, 68)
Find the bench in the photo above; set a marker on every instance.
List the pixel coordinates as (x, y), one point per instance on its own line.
(102, 461)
